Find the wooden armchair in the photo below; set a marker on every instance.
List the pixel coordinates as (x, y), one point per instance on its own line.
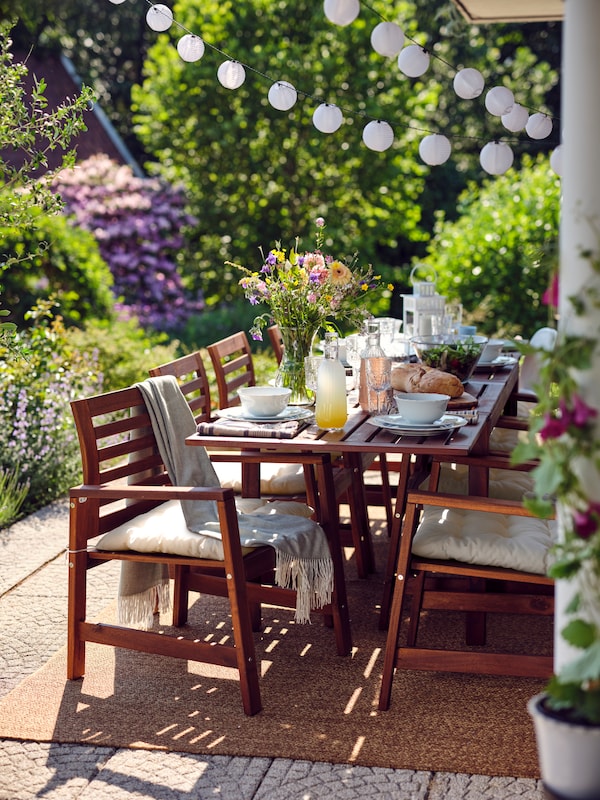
(232, 361)
(276, 341)
(471, 554)
(125, 484)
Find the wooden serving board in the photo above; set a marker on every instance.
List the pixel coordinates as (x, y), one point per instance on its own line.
(463, 402)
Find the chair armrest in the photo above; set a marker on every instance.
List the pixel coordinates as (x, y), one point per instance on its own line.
(146, 492)
(469, 502)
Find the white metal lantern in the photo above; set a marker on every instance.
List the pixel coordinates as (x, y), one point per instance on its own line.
(231, 74)
(341, 12)
(435, 149)
(190, 47)
(387, 39)
(516, 119)
(159, 17)
(327, 118)
(499, 101)
(413, 61)
(496, 158)
(378, 135)
(556, 160)
(468, 83)
(539, 126)
(282, 96)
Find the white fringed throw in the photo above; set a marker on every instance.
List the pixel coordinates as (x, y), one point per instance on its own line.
(303, 561)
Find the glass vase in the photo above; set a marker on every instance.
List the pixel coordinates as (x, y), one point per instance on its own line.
(297, 344)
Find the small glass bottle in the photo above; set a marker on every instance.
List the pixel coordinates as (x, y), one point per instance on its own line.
(331, 408)
(367, 398)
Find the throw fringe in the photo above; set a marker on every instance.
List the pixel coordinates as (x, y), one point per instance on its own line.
(137, 610)
(311, 578)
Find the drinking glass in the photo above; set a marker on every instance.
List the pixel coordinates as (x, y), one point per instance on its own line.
(379, 376)
(311, 371)
(355, 344)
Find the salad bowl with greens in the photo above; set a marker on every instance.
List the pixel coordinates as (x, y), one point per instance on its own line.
(455, 354)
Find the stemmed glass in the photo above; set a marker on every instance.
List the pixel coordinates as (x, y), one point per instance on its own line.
(379, 376)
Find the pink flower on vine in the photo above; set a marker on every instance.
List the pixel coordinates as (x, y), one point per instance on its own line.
(550, 296)
(578, 416)
(585, 523)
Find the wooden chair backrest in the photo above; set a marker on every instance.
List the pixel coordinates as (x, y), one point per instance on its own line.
(193, 382)
(233, 365)
(274, 332)
(118, 446)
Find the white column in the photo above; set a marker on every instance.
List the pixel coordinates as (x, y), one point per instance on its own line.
(580, 212)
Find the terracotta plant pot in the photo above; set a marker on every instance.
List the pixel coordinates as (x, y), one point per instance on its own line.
(569, 754)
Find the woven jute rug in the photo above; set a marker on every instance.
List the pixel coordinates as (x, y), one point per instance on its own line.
(317, 705)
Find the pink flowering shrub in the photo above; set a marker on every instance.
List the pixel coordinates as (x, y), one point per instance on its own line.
(138, 224)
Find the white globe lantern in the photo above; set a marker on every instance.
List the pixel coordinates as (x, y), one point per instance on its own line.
(231, 74)
(327, 118)
(117, 2)
(539, 126)
(159, 17)
(190, 47)
(341, 12)
(282, 96)
(499, 101)
(413, 61)
(496, 158)
(516, 119)
(468, 83)
(556, 160)
(435, 149)
(387, 39)
(378, 135)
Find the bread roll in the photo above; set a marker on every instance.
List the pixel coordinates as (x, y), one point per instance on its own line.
(420, 378)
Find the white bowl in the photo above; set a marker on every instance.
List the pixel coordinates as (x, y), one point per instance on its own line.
(420, 406)
(492, 350)
(264, 401)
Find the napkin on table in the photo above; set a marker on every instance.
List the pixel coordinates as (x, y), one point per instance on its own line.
(470, 414)
(263, 430)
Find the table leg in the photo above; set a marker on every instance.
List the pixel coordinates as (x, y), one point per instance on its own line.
(390, 569)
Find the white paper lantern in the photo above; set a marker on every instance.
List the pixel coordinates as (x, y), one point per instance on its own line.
(190, 47)
(378, 135)
(282, 96)
(556, 160)
(413, 61)
(117, 2)
(327, 118)
(516, 119)
(435, 149)
(387, 39)
(231, 74)
(159, 17)
(496, 158)
(341, 12)
(539, 126)
(468, 83)
(499, 101)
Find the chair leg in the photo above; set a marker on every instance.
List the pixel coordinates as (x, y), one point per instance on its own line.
(415, 609)
(180, 595)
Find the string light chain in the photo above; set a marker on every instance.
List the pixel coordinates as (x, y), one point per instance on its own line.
(387, 38)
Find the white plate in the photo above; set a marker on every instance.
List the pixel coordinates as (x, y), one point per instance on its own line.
(501, 361)
(394, 422)
(289, 413)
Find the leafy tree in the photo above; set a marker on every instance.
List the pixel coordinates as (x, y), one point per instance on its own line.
(28, 131)
(138, 224)
(257, 175)
(63, 263)
(497, 258)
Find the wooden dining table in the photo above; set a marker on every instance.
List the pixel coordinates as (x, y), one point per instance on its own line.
(494, 391)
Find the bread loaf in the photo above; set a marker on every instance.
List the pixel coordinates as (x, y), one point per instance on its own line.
(420, 378)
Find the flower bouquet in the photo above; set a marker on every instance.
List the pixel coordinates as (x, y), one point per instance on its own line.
(305, 292)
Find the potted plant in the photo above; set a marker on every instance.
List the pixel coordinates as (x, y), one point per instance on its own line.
(564, 439)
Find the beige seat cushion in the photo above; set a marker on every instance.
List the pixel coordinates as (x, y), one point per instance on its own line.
(275, 479)
(163, 530)
(504, 484)
(477, 537)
